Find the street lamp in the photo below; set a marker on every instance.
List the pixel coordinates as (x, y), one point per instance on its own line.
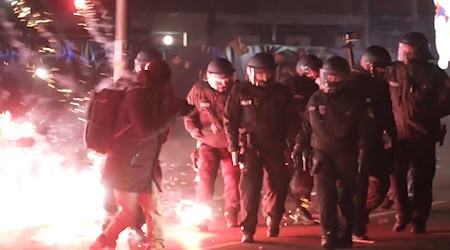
(168, 40)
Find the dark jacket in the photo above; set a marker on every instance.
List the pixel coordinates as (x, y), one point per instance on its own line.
(132, 159)
(420, 95)
(302, 88)
(375, 92)
(335, 122)
(268, 114)
(208, 115)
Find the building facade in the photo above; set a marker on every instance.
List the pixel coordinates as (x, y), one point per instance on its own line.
(289, 22)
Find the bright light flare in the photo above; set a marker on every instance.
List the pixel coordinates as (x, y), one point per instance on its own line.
(42, 73)
(81, 4)
(442, 31)
(191, 213)
(13, 131)
(37, 187)
(168, 40)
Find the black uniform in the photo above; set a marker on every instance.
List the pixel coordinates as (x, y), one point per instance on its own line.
(376, 94)
(420, 97)
(265, 116)
(302, 87)
(208, 119)
(336, 127)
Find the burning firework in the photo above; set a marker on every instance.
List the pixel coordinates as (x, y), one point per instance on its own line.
(191, 213)
(35, 187)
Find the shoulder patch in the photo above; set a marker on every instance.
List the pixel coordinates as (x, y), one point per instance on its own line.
(311, 108)
(322, 109)
(246, 102)
(205, 104)
(394, 84)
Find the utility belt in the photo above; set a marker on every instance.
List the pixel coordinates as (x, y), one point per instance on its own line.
(246, 146)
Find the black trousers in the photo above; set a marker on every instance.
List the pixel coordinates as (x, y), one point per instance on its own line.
(301, 183)
(270, 161)
(420, 155)
(211, 159)
(372, 185)
(335, 174)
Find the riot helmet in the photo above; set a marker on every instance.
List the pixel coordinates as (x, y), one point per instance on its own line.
(144, 56)
(262, 70)
(413, 46)
(333, 74)
(220, 74)
(154, 73)
(309, 66)
(374, 59)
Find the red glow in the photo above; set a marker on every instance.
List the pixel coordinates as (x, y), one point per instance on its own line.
(81, 4)
(33, 173)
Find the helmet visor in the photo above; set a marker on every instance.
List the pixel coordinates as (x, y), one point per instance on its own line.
(330, 80)
(220, 82)
(139, 64)
(406, 52)
(260, 77)
(305, 70)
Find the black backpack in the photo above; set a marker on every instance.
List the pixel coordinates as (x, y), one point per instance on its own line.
(101, 119)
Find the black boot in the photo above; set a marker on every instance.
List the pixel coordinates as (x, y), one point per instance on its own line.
(344, 242)
(273, 231)
(231, 219)
(273, 227)
(418, 226)
(400, 224)
(327, 242)
(303, 216)
(247, 237)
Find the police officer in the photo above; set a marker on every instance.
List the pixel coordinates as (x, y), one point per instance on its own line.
(336, 126)
(420, 98)
(264, 112)
(373, 180)
(303, 86)
(205, 125)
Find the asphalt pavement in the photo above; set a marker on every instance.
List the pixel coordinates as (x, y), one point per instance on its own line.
(179, 185)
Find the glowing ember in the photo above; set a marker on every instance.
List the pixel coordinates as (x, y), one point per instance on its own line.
(191, 213)
(42, 73)
(81, 4)
(13, 131)
(36, 188)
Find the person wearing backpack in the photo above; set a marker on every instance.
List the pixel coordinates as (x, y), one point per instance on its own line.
(132, 167)
(103, 110)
